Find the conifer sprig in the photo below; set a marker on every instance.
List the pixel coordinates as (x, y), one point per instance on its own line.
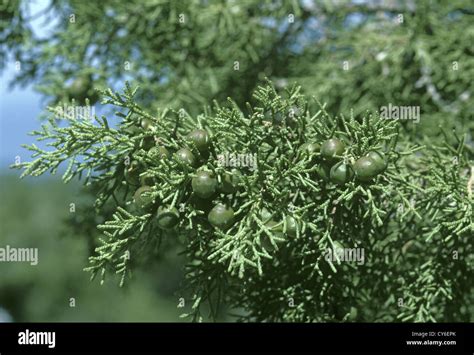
(289, 207)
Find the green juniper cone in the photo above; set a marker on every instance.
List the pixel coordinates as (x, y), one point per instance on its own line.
(221, 216)
(185, 156)
(200, 139)
(332, 149)
(379, 159)
(257, 241)
(204, 184)
(167, 217)
(143, 197)
(147, 124)
(82, 89)
(341, 173)
(366, 168)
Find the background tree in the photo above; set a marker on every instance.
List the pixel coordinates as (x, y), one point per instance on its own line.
(354, 58)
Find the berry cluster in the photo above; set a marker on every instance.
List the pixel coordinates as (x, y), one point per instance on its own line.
(335, 168)
(333, 164)
(205, 185)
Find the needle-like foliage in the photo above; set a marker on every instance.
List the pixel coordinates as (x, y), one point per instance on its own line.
(412, 222)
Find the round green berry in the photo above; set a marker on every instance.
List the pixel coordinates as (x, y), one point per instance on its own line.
(185, 156)
(143, 197)
(332, 149)
(341, 173)
(167, 217)
(204, 184)
(221, 216)
(379, 159)
(82, 89)
(146, 123)
(366, 169)
(200, 138)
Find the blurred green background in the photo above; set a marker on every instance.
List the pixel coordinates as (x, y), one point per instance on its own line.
(33, 215)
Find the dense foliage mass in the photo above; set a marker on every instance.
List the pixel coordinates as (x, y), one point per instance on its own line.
(258, 236)
(267, 192)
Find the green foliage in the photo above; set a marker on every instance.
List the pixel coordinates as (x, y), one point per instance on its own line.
(32, 214)
(264, 268)
(409, 55)
(189, 52)
(12, 31)
(388, 187)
